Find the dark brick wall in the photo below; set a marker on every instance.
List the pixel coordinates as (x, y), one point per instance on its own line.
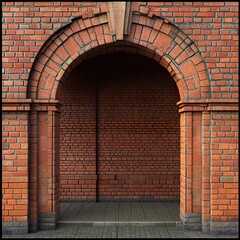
(137, 131)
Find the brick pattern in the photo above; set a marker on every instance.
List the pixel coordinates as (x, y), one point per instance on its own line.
(167, 45)
(78, 137)
(224, 176)
(196, 162)
(213, 27)
(25, 22)
(206, 132)
(25, 28)
(14, 166)
(33, 178)
(38, 57)
(138, 131)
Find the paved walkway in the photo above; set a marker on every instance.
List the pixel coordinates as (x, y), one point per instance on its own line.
(120, 213)
(119, 220)
(118, 232)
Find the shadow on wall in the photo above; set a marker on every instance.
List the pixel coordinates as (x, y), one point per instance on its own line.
(120, 131)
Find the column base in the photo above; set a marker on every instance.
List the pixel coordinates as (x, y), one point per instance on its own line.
(33, 226)
(224, 228)
(47, 221)
(205, 226)
(191, 221)
(9, 228)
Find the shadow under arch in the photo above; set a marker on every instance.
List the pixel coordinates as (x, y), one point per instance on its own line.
(125, 47)
(143, 91)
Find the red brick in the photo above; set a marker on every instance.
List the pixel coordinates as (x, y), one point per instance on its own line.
(23, 39)
(62, 53)
(68, 190)
(145, 34)
(71, 46)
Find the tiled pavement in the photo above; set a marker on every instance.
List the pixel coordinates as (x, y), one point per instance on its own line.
(119, 220)
(118, 232)
(120, 213)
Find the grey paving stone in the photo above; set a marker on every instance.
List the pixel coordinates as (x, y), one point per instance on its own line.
(119, 220)
(163, 232)
(125, 212)
(118, 232)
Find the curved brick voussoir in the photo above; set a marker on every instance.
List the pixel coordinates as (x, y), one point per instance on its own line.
(63, 57)
(158, 51)
(181, 55)
(148, 35)
(64, 43)
(71, 46)
(162, 42)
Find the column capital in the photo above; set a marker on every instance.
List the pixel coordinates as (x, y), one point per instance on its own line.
(13, 105)
(208, 105)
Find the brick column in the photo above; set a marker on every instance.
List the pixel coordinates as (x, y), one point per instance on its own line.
(224, 161)
(209, 166)
(30, 165)
(206, 134)
(47, 167)
(33, 166)
(191, 165)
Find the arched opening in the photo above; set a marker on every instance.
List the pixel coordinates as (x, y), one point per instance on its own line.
(75, 44)
(119, 132)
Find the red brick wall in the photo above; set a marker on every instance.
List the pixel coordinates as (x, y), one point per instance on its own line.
(212, 25)
(224, 166)
(138, 131)
(78, 137)
(14, 166)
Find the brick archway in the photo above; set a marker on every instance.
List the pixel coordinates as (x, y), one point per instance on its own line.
(153, 37)
(148, 35)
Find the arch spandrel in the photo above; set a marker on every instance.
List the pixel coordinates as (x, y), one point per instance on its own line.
(143, 33)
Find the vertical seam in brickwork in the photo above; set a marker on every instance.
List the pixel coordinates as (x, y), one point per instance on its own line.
(206, 163)
(191, 185)
(201, 139)
(53, 158)
(28, 167)
(210, 169)
(37, 161)
(96, 135)
(109, 178)
(36, 149)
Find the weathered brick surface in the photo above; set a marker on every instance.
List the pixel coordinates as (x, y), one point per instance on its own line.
(224, 176)
(27, 25)
(138, 146)
(197, 42)
(78, 138)
(14, 166)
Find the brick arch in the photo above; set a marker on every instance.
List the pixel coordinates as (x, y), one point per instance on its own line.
(151, 36)
(88, 36)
